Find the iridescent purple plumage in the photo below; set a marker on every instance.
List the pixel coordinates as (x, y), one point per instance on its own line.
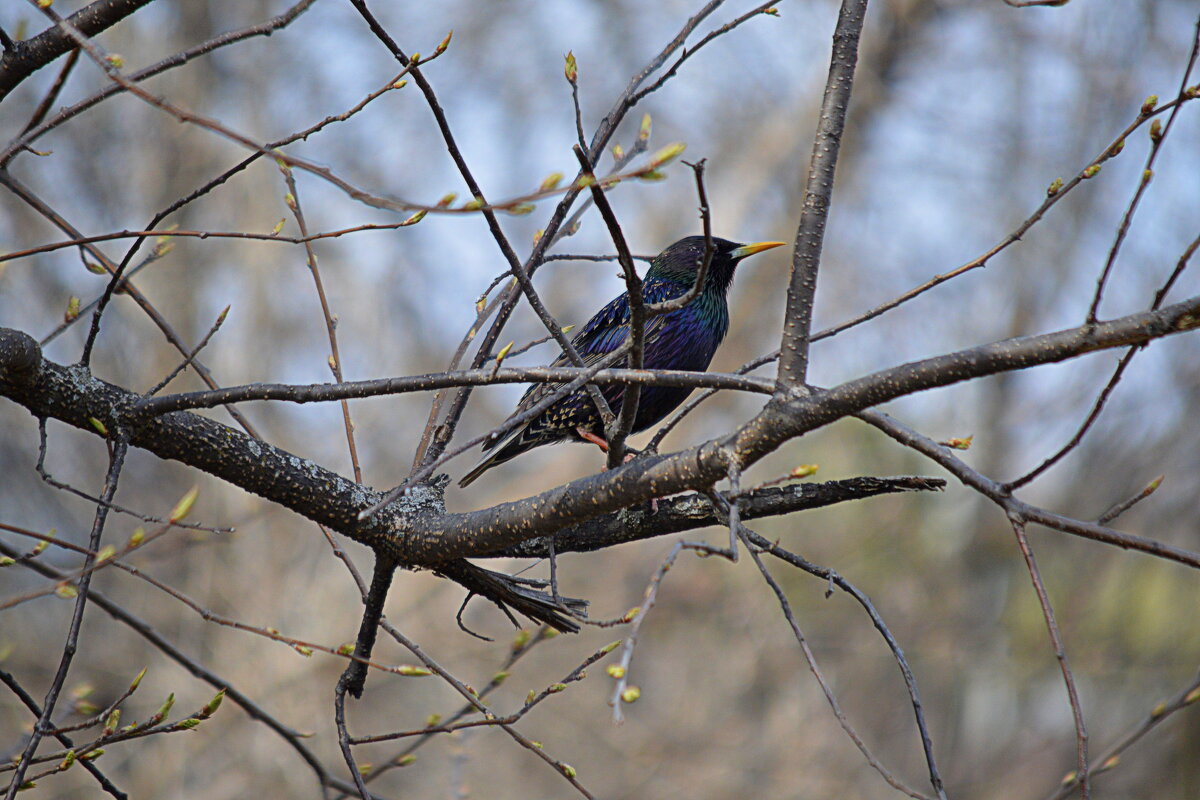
(685, 339)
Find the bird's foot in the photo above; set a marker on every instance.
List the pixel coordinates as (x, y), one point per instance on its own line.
(629, 456)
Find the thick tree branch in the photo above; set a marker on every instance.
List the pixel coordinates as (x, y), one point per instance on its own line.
(818, 193)
(416, 533)
(27, 57)
(74, 396)
(71, 395)
(694, 510)
(488, 530)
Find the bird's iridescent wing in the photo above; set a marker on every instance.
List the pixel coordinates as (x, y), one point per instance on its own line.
(604, 333)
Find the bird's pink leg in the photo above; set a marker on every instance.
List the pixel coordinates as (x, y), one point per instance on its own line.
(588, 436)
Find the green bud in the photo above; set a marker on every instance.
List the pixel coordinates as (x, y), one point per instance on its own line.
(667, 154)
(165, 708)
(644, 129)
(212, 705)
(411, 671)
(184, 505)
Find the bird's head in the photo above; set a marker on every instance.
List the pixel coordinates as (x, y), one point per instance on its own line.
(681, 261)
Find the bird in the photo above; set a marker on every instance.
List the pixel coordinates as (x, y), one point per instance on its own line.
(684, 339)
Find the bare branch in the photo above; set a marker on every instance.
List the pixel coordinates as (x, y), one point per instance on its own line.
(994, 491)
(830, 698)
(36, 203)
(1111, 757)
(266, 28)
(818, 193)
(116, 462)
(1157, 137)
(24, 58)
(1060, 652)
(49, 392)
(335, 358)
(616, 430)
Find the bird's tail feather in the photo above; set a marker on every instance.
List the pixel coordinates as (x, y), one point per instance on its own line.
(509, 592)
(485, 463)
(497, 453)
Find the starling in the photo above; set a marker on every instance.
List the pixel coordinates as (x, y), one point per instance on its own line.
(685, 339)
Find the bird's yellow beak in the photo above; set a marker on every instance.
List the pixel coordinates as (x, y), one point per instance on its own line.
(739, 253)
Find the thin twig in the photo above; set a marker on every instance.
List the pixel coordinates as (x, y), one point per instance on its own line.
(182, 365)
(328, 392)
(335, 358)
(638, 616)
(45, 475)
(1120, 508)
(1109, 759)
(339, 718)
(826, 689)
(688, 52)
(1156, 142)
(994, 491)
(617, 430)
(107, 785)
(1060, 653)
(52, 93)
(116, 462)
(35, 202)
